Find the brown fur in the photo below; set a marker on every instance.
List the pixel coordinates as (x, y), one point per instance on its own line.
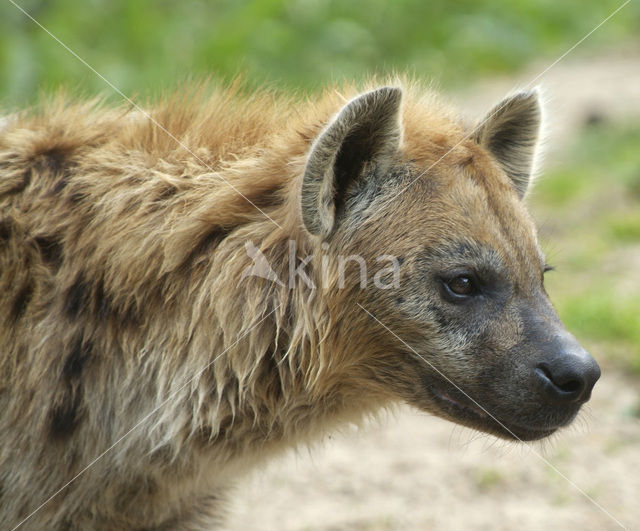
(121, 258)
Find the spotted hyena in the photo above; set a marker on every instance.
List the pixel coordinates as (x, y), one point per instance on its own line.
(176, 305)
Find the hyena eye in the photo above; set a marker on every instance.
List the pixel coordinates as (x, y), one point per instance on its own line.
(460, 286)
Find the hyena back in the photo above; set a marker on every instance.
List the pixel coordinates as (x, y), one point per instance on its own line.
(142, 370)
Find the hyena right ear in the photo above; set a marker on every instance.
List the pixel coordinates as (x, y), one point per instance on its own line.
(366, 131)
(511, 133)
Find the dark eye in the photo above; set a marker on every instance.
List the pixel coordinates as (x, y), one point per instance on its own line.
(461, 286)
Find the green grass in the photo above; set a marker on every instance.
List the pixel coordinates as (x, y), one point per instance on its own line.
(602, 315)
(142, 45)
(593, 201)
(602, 157)
(488, 478)
(625, 227)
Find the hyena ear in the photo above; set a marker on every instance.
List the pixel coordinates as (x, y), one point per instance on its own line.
(511, 133)
(366, 131)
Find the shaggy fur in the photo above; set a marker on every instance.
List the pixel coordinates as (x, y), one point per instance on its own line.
(122, 298)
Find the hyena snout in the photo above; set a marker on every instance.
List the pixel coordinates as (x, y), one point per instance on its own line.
(568, 376)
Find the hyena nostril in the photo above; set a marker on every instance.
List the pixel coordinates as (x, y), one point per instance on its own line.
(571, 386)
(564, 380)
(568, 386)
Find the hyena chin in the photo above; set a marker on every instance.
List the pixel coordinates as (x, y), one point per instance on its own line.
(152, 349)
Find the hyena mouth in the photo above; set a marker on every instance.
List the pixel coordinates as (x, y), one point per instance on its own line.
(457, 407)
(469, 407)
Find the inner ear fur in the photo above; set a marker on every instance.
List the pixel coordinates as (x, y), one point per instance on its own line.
(366, 130)
(510, 132)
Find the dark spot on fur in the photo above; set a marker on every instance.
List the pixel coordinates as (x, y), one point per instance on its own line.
(6, 226)
(26, 181)
(439, 317)
(50, 250)
(21, 301)
(81, 352)
(206, 245)
(269, 199)
(77, 197)
(105, 309)
(20, 184)
(101, 301)
(60, 185)
(53, 160)
(272, 375)
(137, 491)
(400, 260)
(167, 193)
(400, 300)
(75, 298)
(163, 199)
(65, 417)
(126, 315)
(129, 207)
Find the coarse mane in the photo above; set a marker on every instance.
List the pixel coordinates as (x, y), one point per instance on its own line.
(164, 200)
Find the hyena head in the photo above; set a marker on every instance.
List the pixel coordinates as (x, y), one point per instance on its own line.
(467, 331)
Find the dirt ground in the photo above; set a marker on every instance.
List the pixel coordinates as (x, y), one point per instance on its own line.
(414, 471)
(419, 472)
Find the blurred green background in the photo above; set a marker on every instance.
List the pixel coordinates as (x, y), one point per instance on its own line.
(588, 209)
(589, 202)
(140, 45)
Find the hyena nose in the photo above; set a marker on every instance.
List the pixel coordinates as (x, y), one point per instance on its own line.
(569, 377)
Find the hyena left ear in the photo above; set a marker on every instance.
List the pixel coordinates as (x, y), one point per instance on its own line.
(511, 133)
(366, 131)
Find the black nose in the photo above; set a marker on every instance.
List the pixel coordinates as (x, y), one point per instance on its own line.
(568, 377)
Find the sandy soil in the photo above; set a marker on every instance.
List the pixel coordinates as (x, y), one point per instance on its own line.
(413, 471)
(605, 87)
(420, 472)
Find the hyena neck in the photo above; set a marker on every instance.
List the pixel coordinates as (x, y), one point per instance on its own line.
(281, 371)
